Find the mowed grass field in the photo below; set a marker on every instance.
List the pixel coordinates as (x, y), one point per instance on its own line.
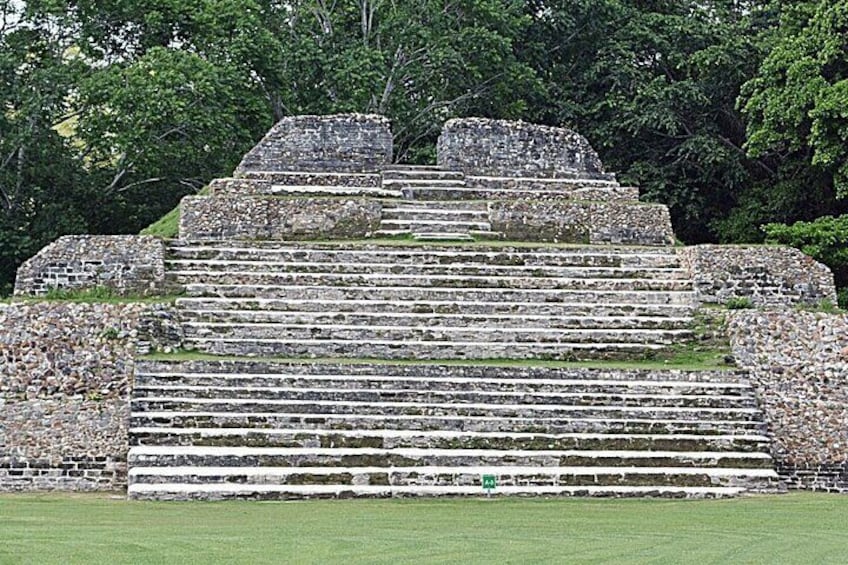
(796, 528)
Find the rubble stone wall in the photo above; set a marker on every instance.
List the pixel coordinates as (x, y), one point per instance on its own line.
(130, 265)
(65, 379)
(798, 361)
(334, 143)
(234, 217)
(767, 275)
(480, 146)
(563, 221)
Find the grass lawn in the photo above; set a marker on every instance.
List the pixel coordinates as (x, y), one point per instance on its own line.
(797, 528)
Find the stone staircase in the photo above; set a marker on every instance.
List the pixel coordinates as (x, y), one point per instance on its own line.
(434, 219)
(221, 429)
(411, 301)
(409, 368)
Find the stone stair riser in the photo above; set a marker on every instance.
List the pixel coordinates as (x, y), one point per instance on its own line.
(145, 383)
(192, 307)
(476, 397)
(412, 478)
(188, 268)
(178, 491)
(328, 439)
(429, 371)
(268, 334)
(393, 459)
(542, 257)
(576, 424)
(456, 294)
(394, 350)
(392, 409)
(436, 320)
(426, 281)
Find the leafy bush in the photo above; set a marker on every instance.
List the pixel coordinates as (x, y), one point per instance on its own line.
(825, 239)
(739, 303)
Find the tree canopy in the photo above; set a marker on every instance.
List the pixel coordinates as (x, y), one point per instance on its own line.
(731, 112)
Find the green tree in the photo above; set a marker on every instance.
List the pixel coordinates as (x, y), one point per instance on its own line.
(796, 102)
(42, 188)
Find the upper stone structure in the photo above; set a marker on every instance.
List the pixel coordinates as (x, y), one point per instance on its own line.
(354, 143)
(478, 146)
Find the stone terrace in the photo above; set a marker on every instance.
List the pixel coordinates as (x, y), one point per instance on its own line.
(327, 367)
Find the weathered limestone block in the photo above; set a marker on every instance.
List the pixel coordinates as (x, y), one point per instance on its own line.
(565, 221)
(334, 143)
(798, 361)
(222, 217)
(257, 184)
(65, 379)
(486, 147)
(127, 264)
(767, 275)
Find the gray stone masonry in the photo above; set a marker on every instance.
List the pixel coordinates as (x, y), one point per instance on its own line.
(234, 217)
(65, 378)
(335, 143)
(768, 275)
(478, 146)
(127, 264)
(798, 362)
(564, 221)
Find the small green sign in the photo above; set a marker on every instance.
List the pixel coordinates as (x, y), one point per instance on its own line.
(489, 482)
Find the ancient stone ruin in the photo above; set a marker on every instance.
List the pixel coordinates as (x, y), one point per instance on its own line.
(346, 326)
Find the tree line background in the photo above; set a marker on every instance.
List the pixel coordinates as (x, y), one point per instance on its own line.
(732, 113)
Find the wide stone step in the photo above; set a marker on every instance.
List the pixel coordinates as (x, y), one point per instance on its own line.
(418, 396)
(145, 378)
(575, 192)
(423, 350)
(441, 320)
(421, 174)
(456, 294)
(368, 279)
(550, 310)
(645, 423)
(420, 213)
(440, 439)
(328, 190)
(391, 409)
(435, 225)
(452, 269)
(435, 371)
(505, 476)
(181, 491)
(194, 456)
(432, 254)
(411, 181)
(301, 178)
(268, 333)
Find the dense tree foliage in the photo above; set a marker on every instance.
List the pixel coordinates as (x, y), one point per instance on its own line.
(731, 112)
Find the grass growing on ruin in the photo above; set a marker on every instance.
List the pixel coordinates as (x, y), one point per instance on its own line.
(97, 295)
(683, 358)
(798, 528)
(166, 227)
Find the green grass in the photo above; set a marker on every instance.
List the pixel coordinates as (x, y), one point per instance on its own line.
(679, 358)
(96, 295)
(798, 528)
(167, 227)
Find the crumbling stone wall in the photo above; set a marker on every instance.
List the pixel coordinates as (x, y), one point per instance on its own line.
(765, 274)
(65, 379)
(334, 143)
(235, 217)
(130, 265)
(563, 221)
(798, 361)
(480, 146)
